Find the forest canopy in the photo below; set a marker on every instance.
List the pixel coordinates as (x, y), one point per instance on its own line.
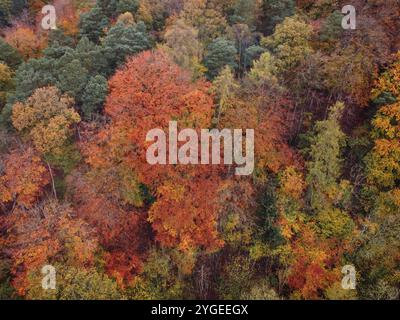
(78, 98)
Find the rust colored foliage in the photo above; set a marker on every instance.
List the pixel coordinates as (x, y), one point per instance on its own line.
(23, 178)
(68, 16)
(28, 41)
(269, 115)
(35, 6)
(39, 235)
(147, 93)
(122, 233)
(311, 271)
(314, 260)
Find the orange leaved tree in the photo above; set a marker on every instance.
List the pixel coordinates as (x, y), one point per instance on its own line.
(179, 202)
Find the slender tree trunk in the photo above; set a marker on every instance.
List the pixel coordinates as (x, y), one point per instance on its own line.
(52, 180)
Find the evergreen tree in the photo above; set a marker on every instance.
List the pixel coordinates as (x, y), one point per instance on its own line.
(245, 11)
(6, 84)
(72, 78)
(221, 53)
(31, 75)
(127, 6)
(252, 53)
(93, 23)
(123, 41)
(91, 56)
(274, 12)
(9, 55)
(94, 95)
(5, 12)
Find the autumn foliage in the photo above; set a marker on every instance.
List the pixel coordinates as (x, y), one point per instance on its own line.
(148, 92)
(23, 179)
(77, 192)
(28, 41)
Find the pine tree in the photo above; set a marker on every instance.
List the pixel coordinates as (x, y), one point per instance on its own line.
(221, 53)
(93, 23)
(94, 95)
(123, 41)
(9, 55)
(274, 12)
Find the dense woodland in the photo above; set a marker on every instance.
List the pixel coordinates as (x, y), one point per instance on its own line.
(77, 193)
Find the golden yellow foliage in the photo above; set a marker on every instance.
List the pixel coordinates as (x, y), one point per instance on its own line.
(46, 118)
